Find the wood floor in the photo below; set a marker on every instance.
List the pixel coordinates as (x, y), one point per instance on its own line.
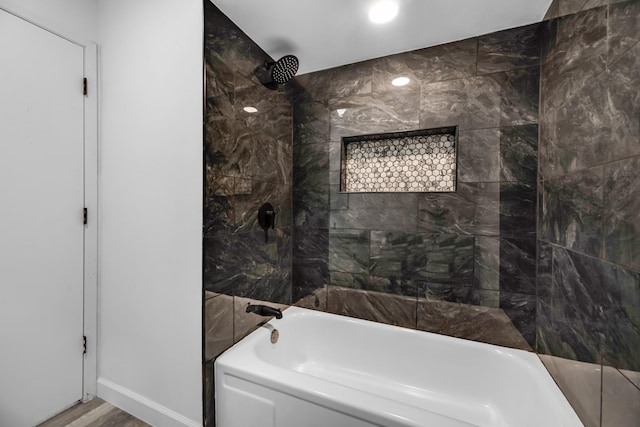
(95, 413)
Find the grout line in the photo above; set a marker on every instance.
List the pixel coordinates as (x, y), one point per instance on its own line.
(606, 164)
(628, 379)
(591, 256)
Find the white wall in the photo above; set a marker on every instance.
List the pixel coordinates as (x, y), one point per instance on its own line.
(150, 55)
(74, 19)
(150, 287)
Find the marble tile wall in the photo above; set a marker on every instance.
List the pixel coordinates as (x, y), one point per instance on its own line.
(589, 189)
(475, 246)
(248, 161)
(559, 8)
(589, 198)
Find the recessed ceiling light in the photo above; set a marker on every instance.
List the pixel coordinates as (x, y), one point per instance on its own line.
(400, 81)
(250, 109)
(383, 11)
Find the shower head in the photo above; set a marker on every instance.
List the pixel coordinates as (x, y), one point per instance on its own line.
(283, 69)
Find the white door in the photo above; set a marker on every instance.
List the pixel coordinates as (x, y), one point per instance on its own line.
(41, 228)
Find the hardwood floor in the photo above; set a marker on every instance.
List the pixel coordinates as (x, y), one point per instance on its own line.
(95, 413)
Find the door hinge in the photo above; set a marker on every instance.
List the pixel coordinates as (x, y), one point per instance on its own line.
(84, 344)
(84, 86)
(84, 216)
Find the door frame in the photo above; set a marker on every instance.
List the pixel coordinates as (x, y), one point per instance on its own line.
(90, 261)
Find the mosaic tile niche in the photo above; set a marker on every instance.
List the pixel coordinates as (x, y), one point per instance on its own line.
(416, 161)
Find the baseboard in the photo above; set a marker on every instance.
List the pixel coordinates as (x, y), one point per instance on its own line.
(142, 407)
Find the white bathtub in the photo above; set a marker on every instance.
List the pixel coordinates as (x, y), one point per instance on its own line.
(335, 371)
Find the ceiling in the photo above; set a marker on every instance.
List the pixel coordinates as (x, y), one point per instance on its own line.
(328, 33)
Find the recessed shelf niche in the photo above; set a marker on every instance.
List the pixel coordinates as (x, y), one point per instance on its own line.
(413, 161)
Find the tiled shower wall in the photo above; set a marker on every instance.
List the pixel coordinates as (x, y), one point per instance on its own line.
(589, 202)
(248, 162)
(475, 246)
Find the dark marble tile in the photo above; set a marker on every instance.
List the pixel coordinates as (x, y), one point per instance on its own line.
(590, 4)
(317, 300)
(623, 106)
(437, 258)
(349, 250)
(310, 163)
(218, 186)
(486, 298)
(264, 100)
(335, 156)
(519, 153)
(582, 118)
(394, 285)
(521, 309)
(310, 269)
(624, 28)
(348, 80)
(518, 266)
(311, 121)
(389, 285)
(621, 207)
(571, 211)
(246, 206)
(309, 275)
(486, 269)
(316, 85)
(479, 155)
(474, 209)
(483, 324)
(449, 293)
(219, 77)
(375, 306)
(581, 383)
(219, 136)
(269, 134)
(518, 209)
(620, 400)
(378, 211)
(622, 315)
(434, 64)
(338, 200)
(633, 376)
(544, 271)
(230, 154)
(574, 52)
(272, 161)
(568, 7)
(519, 96)
(469, 103)
(244, 265)
(391, 111)
(311, 184)
(218, 325)
(218, 215)
(593, 310)
(389, 252)
(509, 49)
(342, 279)
(445, 259)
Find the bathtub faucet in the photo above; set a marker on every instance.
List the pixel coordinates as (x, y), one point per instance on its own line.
(264, 310)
